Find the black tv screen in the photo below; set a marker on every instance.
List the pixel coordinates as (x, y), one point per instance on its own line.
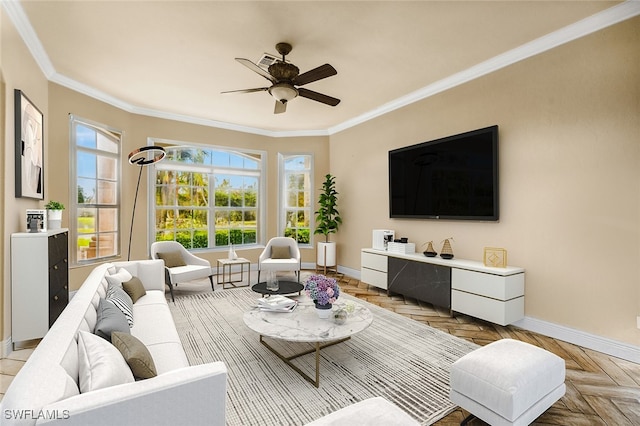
(449, 178)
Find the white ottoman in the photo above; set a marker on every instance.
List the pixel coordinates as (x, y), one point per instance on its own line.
(507, 382)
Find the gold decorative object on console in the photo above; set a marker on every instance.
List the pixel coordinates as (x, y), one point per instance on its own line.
(495, 257)
(447, 251)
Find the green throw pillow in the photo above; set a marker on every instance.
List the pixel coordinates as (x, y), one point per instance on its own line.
(136, 354)
(280, 252)
(172, 259)
(134, 289)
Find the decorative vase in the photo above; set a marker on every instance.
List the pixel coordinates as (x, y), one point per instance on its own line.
(340, 316)
(54, 219)
(232, 253)
(323, 311)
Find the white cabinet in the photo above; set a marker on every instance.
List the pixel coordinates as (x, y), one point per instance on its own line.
(39, 282)
(373, 269)
(495, 298)
(488, 293)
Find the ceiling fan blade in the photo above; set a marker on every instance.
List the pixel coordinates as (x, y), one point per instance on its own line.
(319, 97)
(253, 67)
(259, 89)
(280, 107)
(323, 71)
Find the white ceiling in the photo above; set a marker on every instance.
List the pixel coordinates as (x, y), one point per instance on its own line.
(173, 58)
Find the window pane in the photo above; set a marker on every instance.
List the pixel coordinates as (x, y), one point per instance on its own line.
(86, 191)
(87, 164)
(107, 144)
(85, 136)
(107, 168)
(107, 192)
(107, 245)
(108, 219)
(86, 221)
(222, 219)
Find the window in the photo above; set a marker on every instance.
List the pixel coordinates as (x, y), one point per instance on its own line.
(95, 162)
(186, 211)
(295, 181)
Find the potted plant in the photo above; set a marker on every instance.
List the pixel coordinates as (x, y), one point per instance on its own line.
(54, 214)
(328, 221)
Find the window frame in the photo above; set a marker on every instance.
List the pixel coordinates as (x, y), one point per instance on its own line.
(261, 172)
(282, 194)
(74, 235)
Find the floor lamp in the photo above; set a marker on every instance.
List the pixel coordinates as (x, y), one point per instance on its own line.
(142, 157)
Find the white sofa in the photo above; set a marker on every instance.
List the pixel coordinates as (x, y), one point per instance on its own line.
(46, 390)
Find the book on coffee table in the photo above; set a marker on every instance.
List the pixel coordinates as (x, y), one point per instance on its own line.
(277, 303)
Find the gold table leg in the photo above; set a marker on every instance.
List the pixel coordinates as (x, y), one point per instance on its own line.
(316, 349)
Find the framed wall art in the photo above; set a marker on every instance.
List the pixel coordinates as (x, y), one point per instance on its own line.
(29, 155)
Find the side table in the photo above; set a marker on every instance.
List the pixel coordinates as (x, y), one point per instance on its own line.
(227, 266)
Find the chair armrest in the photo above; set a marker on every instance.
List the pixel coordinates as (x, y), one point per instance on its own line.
(190, 395)
(192, 259)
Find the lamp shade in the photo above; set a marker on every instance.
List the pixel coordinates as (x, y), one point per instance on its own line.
(283, 92)
(147, 155)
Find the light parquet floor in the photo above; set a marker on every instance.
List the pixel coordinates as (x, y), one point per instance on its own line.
(601, 389)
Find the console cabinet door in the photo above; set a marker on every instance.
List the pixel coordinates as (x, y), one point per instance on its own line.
(423, 281)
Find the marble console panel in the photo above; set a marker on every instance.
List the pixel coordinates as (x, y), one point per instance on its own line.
(423, 281)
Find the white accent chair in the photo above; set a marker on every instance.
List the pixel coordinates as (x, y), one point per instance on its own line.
(280, 254)
(180, 264)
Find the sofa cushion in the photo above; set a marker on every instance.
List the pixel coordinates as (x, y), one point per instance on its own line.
(100, 364)
(172, 259)
(119, 277)
(110, 319)
(136, 355)
(121, 299)
(280, 252)
(134, 289)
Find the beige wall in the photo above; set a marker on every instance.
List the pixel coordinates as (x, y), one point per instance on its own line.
(569, 178)
(19, 71)
(570, 181)
(136, 131)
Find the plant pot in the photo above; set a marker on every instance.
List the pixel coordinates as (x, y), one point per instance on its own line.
(326, 255)
(54, 219)
(323, 311)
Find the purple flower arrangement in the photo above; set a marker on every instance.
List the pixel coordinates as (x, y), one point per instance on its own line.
(321, 289)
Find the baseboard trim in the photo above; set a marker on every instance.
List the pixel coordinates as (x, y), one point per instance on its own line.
(7, 347)
(560, 332)
(581, 338)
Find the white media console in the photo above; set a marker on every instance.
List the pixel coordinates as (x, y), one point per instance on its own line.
(465, 286)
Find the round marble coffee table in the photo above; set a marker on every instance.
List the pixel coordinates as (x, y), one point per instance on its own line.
(304, 325)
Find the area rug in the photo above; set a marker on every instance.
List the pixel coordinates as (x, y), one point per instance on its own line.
(402, 360)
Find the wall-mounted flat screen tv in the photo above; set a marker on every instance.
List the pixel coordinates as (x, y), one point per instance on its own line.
(455, 178)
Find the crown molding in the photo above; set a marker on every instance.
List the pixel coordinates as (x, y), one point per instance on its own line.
(616, 14)
(584, 27)
(16, 13)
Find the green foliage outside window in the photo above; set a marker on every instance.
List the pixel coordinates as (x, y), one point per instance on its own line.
(186, 213)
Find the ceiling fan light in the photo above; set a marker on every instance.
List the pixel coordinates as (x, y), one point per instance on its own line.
(283, 92)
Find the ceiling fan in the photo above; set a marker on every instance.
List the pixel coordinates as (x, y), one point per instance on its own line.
(286, 80)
